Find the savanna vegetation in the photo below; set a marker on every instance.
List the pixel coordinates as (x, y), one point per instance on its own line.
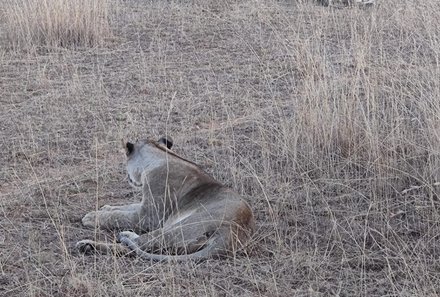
(326, 120)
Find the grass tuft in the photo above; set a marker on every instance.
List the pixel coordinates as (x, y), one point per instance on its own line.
(57, 23)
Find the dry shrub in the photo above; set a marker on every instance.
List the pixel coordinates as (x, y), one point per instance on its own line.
(57, 23)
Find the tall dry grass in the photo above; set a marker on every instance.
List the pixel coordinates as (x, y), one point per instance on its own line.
(57, 23)
(371, 103)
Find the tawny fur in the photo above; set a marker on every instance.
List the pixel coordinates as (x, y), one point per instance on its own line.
(184, 214)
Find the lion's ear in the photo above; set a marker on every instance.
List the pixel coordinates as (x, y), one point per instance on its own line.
(129, 148)
(166, 141)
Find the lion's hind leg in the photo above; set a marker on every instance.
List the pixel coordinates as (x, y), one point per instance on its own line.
(173, 240)
(202, 248)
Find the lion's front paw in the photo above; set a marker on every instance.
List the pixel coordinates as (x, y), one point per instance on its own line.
(126, 234)
(89, 219)
(86, 246)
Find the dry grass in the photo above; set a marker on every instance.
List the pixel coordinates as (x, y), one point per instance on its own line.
(54, 23)
(326, 120)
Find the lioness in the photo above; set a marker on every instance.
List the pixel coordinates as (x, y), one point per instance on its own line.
(185, 212)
